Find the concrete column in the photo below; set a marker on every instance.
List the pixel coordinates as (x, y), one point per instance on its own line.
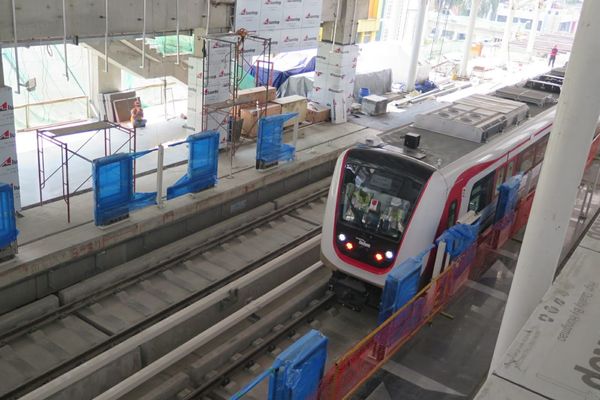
(533, 30)
(469, 38)
(504, 48)
(572, 133)
(418, 38)
(343, 30)
(102, 82)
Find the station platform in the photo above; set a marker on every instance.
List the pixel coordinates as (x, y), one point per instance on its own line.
(54, 254)
(450, 358)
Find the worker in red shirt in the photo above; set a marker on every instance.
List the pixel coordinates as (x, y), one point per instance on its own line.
(553, 54)
(137, 115)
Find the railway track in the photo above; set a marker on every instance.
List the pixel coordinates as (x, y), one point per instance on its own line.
(111, 308)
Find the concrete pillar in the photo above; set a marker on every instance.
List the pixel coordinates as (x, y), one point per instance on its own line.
(343, 30)
(572, 133)
(416, 46)
(469, 38)
(504, 48)
(102, 82)
(533, 30)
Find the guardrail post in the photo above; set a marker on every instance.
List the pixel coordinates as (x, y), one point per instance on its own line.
(159, 176)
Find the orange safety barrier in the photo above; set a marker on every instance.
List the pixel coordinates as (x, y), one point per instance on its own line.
(361, 362)
(522, 212)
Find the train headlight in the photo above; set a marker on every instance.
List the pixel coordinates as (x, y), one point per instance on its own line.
(378, 257)
(389, 255)
(349, 246)
(342, 237)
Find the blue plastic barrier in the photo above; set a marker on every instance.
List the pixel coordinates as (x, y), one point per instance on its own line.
(297, 371)
(508, 194)
(270, 148)
(458, 238)
(401, 285)
(8, 221)
(112, 182)
(203, 162)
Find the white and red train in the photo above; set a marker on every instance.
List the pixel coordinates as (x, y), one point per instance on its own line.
(388, 201)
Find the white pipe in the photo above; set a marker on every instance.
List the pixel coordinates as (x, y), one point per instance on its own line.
(159, 175)
(106, 36)
(533, 30)
(337, 12)
(64, 10)
(1, 69)
(14, 18)
(469, 39)
(414, 55)
(160, 365)
(207, 17)
(575, 122)
(143, 65)
(504, 47)
(177, 29)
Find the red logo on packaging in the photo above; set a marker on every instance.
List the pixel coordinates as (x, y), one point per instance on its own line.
(7, 135)
(8, 162)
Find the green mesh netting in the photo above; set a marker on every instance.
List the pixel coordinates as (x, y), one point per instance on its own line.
(167, 45)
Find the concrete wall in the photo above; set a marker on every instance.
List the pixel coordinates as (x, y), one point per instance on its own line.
(52, 280)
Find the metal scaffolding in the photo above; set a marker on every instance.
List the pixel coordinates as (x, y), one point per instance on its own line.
(56, 137)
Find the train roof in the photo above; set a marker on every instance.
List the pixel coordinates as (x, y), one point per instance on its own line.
(441, 149)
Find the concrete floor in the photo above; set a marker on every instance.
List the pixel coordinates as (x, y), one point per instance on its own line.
(450, 359)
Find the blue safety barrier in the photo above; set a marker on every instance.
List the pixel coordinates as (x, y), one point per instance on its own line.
(203, 162)
(401, 285)
(270, 148)
(508, 195)
(8, 221)
(458, 238)
(113, 185)
(298, 370)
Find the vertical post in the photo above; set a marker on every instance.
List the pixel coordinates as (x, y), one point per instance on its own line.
(533, 30)
(106, 36)
(143, 65)
(177, 29)
(1, 69)
(295, 136)
(469, 39)
(64, 10)
(337, 12)
(16, 44)
(504, 47)
(574, 126)
(414, 55)
(159, 176)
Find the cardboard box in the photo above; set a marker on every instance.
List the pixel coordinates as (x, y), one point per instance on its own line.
(252, 115)
(316, 112)
(260, 94)
(296, 104)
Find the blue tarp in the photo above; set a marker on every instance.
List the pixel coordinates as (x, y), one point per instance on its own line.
(425, 86)
(286, 65)
(270, 147)
(401, 285)
(8, 221)
(298, 370)
(458, 238)
(203, 162)
(508, 194)
(112, 182)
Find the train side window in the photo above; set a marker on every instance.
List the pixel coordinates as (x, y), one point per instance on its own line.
(540, 150)
(481, 194)
(500, 175)
(510, 169)
(526, 159)
(452, 213)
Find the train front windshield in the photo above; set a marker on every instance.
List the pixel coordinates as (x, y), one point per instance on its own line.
(378, 195)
